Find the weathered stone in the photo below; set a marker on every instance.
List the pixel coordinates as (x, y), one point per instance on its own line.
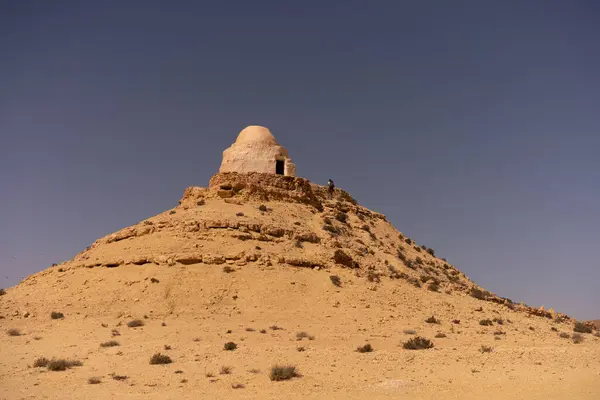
(224, 194)
(212, 259)
(189, 259)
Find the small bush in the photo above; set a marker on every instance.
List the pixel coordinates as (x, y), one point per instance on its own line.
(366, 228)
(408, 241)
(227, 269)
(431, 251)
(41, 362)
(275, 328)
(283, 373)
(440, 335)
(225, 370)
(432, 320)
(302, 335)
(554, 329)
(373, 276)
(433, 286)
(300, 348)
(94, 380)
(167, 347)
(580, 327)
(344, 259)
(135, 323)
(486, 322)
(342, 217)
(62, 364)
(119, 377)
(57, 315)
(486, 349)
(14, 332)
(418, 343)
(230, 346)
(201, 202)
(336, 280)
(499, 332)
(577, 338)
(263, 331)
(110, 343)
(262, 208)
(332, 229)
(160, 359)
(564, 335)
(2, 292)
(499, 321)
(250, 330)
(365, 349)
(254, 371)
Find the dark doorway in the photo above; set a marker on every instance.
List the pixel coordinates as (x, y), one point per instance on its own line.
(279, 167)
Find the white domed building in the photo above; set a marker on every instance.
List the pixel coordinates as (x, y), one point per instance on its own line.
(256, 150)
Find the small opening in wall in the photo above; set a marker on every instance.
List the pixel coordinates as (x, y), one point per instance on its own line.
(279, 167)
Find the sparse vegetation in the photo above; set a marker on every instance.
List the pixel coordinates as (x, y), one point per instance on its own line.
(486, 322)
(580, 327)
(431, 251)
(201, 202)
(275, 328)
(344, 259)
(564, 335)
(366, 228)
(56, 315)
(225, 370)
(2, 292)
(418, 343)
(485, 349)
(262, 208)
(499, 321)
(110, 343)
(373, 276)
(432, 320)
(300, 348)
(160, 359)
(135, 323)
(62, 364)
(440, 335)
(230, 346)
(283, 373)
(433, 286)
(167, 347)
(254, 371)
(336, 280)
(263, 331)
(13, 332)
(41, 362)
(250, 329)
(577, 338)
(94, 380)
(365, 349)
(120, 377)
(227, 269)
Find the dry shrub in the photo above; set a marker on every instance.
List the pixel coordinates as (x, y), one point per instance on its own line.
(485, 349)
(41, 362)
(432, 320)
(580, 327)
(225, 370)
(336, 280)
(160, 359)
(110, 343)
(418, 343)
(365, 349)
(230, 346)
(94, 380)
(283, 373)
(135, 323)
(577, 338)
(62, 364)
(57, 315)
(486, 322)
(13, 332)
(302, 335)
(340, 257)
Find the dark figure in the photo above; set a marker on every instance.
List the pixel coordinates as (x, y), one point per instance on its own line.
(331, 186)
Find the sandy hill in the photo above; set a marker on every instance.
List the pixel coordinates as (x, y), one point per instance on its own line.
(291, 277)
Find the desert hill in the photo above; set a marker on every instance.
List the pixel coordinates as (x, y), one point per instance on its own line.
(290, 276)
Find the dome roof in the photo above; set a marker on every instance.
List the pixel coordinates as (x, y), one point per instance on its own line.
(256, 134)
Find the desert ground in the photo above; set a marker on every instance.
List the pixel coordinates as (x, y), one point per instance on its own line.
(291, 278)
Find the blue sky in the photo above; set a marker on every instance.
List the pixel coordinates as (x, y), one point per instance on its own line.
(472, 125)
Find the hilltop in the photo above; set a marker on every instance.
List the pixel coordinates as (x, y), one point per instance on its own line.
(292, 276)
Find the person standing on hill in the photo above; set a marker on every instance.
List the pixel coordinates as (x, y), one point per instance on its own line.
(331, 189)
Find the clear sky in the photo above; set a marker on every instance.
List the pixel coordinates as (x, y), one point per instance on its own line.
(473, 125)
